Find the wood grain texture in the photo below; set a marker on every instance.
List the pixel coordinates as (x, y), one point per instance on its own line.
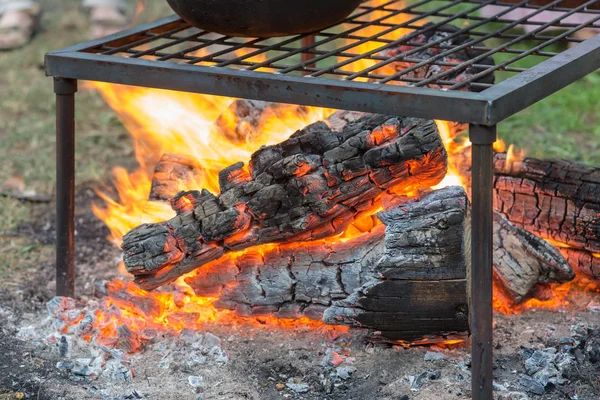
(557, 200)
(420, 285)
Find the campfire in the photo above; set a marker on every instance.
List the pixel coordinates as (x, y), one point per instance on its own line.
(280, 214)
(290, 217)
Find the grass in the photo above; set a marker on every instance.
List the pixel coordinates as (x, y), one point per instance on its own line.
(27, 140)
(565, 125)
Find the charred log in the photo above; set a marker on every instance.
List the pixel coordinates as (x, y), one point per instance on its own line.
(243, 120)
(311, 186)
(406, 279)
(557, 200)
(582, 261)
(441, 39)
(523, 261)
(419, 285)
(174, 173)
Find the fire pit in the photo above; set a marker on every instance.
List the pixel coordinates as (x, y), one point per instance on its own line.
(409, 69)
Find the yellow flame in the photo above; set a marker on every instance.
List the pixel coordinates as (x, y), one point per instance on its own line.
(162, 121)
(513, 155)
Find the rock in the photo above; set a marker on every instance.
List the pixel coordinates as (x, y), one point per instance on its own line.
(195, 381)
(434, 356)
(345, 372)
(280, 386)
(531, 385)
(296, 385)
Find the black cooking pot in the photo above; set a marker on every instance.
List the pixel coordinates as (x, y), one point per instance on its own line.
(263, 18)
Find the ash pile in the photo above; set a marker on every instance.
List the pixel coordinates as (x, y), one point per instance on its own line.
(99, 359)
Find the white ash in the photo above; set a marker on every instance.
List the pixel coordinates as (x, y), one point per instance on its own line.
(85, 356)
(296, 385)
(434, 356)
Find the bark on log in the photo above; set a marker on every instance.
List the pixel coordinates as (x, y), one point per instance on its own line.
(557, 200)
(311, 186)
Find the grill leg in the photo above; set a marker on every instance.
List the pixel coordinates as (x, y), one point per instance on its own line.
(65, 186)
(482, 138)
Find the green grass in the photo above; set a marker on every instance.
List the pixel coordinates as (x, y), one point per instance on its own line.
(565, 125)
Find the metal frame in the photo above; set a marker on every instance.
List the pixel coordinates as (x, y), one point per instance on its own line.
(99, 61)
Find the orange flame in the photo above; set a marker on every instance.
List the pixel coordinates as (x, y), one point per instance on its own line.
(163, 121)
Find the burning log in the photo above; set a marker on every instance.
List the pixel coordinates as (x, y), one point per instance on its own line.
(173, 174)
(242, 121)
(556, 200)
(442, 35)
(523, 261)
(311, 186)
(405, 279)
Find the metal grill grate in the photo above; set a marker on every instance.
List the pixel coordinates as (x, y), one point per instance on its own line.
(356, 49)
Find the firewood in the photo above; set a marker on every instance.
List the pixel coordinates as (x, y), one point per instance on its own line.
(173, 174)
(406, 278)
(419, 285)
(309, 187)
(582, 261)
(242, 121)
(557, 200)
(522, 260)
(441, 34)
(410, 272)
